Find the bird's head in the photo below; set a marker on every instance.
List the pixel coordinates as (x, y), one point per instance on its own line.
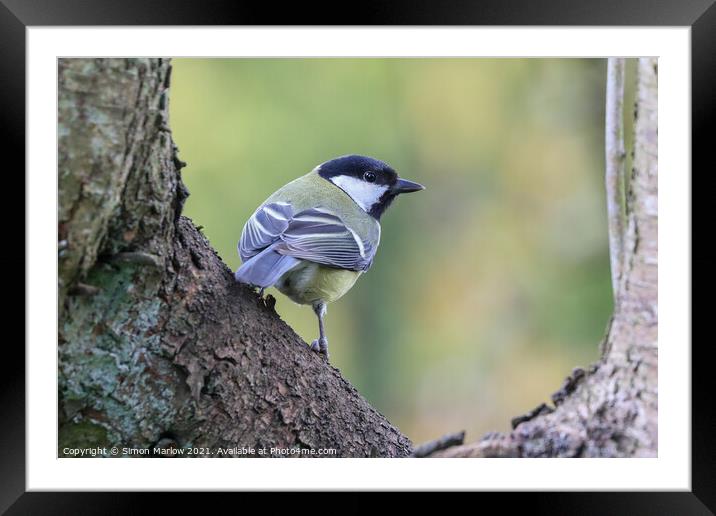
(371, 183)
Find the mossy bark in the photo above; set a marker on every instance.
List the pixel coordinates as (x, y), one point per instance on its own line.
(158, 346)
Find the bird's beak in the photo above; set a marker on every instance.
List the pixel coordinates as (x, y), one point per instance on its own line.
(405, 186)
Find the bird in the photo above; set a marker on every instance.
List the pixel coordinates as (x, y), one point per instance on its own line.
(313, 237)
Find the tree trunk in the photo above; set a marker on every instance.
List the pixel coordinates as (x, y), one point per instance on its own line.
(158, 346)
(610, 410)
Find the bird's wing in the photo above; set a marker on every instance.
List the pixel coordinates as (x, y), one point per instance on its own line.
(314, 234)
(320, 236)
(264, 228)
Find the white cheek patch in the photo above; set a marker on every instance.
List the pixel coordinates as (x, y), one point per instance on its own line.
(363, 193)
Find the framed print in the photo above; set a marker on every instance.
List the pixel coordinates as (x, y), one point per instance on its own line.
(413, 244)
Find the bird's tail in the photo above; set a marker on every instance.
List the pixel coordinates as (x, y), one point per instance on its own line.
(264, 269)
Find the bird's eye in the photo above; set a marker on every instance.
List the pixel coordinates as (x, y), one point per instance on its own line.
(369, 176)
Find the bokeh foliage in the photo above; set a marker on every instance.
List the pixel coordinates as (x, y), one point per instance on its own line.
(489, 286)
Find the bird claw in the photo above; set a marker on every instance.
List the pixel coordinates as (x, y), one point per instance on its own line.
(320, 346)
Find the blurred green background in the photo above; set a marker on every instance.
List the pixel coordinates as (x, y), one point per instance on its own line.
(489, 286)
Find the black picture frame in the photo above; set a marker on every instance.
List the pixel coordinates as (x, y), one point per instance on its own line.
(17, 15)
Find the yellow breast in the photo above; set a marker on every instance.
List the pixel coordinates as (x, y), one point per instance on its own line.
(311, 282)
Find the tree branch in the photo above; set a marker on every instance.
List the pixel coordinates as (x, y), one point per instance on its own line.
(615, 168)
(446, 441)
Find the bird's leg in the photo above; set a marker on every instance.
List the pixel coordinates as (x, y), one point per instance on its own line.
(320, 345)
(261, 291)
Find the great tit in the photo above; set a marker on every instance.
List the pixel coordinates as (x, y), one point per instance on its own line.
(314, 236)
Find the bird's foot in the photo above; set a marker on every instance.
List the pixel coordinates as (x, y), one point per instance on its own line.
(320, 346)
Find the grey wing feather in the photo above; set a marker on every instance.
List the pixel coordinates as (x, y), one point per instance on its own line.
(274, 241)
(265, 268)
(262, 265)
(264, 228)
(319, 236)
